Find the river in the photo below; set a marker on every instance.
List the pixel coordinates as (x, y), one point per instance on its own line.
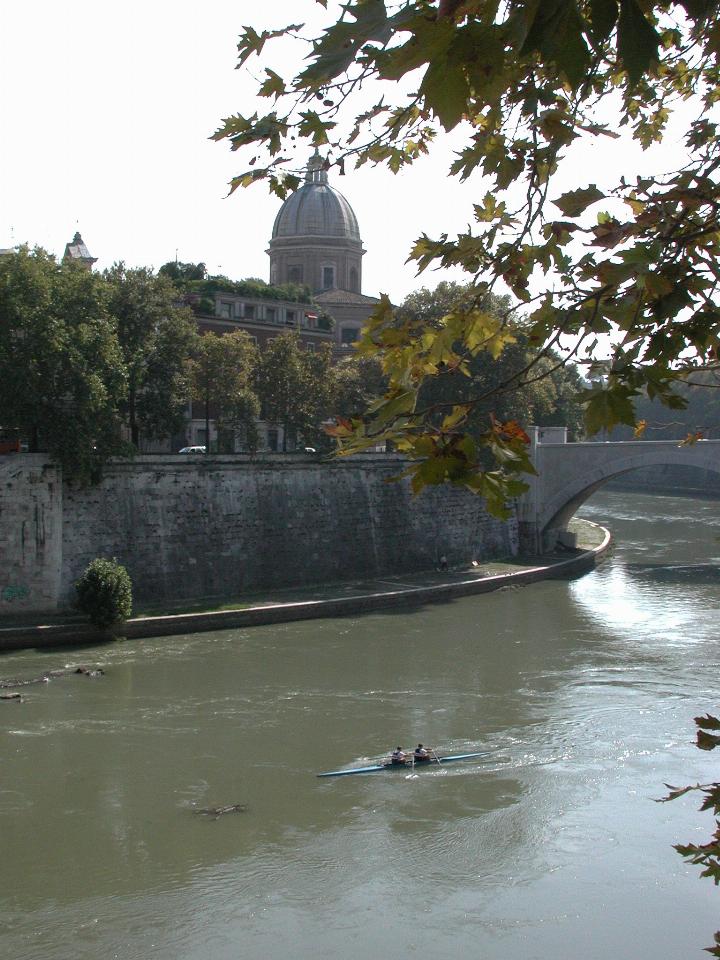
(551, 847)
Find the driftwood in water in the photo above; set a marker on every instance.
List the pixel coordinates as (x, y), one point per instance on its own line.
(10, 696)
(216, 812)
(51, 675)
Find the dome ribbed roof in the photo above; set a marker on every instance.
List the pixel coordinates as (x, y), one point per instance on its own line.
(316, 209)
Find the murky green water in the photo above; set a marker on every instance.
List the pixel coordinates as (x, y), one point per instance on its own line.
(550, 847)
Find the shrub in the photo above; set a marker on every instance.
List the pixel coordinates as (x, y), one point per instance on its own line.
(104, 593)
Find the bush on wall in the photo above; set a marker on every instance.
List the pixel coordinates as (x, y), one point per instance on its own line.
(104, 593)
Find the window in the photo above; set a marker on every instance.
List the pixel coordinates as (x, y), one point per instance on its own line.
(249, 311)
(290, 317)
(354, 286)
(295, 274)
(225, 309)
(310, 347)
(349, 334)
(328, 278)
(271, 314)
(272, 439)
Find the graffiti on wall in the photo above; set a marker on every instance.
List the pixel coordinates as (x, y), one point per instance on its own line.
(11, 593)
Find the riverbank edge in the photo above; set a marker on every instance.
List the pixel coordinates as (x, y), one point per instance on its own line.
(74, 634)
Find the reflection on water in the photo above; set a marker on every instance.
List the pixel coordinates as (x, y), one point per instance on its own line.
(582, 694)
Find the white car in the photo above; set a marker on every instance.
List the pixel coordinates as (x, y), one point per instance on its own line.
(192, 450)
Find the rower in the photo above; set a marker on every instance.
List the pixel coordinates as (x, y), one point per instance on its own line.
(397, 756)
(421, 753)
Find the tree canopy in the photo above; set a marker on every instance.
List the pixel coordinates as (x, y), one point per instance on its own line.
(632, 265)
(156, 338)
(63, 375)
(295, 387)
(222, 372)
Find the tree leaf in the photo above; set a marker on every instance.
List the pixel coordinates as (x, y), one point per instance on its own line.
(603, 17)
(274, 85)
(556, 32)
(707, 741)
(572, 204)
(445, 89)
(708, 722)
(637, 42)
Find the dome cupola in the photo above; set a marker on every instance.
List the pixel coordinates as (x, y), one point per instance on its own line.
(315, 237)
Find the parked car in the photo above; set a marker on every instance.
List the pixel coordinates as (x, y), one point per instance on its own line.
(192, 450)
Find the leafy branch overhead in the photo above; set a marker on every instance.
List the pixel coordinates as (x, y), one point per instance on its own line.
(705, 855)
(632, 264)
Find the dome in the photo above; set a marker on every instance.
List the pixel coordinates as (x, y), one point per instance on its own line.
(316, 209)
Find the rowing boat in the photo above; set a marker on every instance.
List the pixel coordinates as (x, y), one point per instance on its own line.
(408, 764)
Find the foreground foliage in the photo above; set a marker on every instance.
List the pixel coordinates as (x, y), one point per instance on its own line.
(705, 855)
(523, 82)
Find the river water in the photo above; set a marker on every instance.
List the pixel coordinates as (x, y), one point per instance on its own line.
(548, 848)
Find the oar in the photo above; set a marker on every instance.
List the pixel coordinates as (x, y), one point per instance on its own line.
(436, 757)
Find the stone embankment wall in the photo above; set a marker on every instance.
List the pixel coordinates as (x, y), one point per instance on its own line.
(224, 526)
(30, 532)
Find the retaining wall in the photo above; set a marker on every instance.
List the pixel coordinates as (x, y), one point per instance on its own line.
(219, 526)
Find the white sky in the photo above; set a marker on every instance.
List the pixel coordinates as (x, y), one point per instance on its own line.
(105, 115)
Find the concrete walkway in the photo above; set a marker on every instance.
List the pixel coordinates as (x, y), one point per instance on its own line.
(328, 600)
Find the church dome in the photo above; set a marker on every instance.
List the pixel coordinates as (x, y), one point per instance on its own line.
(316, 209)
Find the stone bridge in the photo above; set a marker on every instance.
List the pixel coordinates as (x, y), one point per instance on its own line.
(569, 473)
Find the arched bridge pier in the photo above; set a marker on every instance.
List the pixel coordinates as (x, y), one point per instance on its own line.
(569, 473)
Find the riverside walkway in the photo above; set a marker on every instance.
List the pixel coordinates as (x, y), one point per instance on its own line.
(343, 598)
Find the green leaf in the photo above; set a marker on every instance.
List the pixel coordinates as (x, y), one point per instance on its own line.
(572, 204)
(458, 414)
(556, 33)
(274, 85)
(608, 407)
(446, 90)
(247, 179)
(313, 126)
(603, 17)
(338, 47)
(698, 9)
(253, 42)
(637, 41)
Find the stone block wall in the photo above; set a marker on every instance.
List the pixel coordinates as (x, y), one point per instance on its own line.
(225, 526)
(30, 533)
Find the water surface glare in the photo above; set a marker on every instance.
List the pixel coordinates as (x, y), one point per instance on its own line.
(548, 848)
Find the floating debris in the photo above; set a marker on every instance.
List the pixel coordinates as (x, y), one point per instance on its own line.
(216, 812)
(52, 675)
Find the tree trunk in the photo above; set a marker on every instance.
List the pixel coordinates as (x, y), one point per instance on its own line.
(132, 417)
(207, 424)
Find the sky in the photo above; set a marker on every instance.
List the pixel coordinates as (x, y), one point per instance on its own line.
(105, 119)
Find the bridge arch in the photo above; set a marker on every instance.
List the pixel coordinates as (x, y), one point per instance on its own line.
(569, 473)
